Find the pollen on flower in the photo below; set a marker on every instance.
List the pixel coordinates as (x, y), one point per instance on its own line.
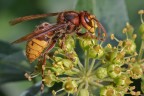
(132, 87)
(133, 59)
(109, 45)
(135, 53)
(127, 24)
(136, 71)
(120, 43)
(133, 93)
(141, 12)
(112, 36)
(138, 93)
(125, 30)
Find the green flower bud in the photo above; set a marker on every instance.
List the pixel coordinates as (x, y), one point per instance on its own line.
(119, 59)
(70, 86)
(57, 59)
(130, 30)
(108, 91)
(96, 52)
(83, 92)
(86, 43)
(111, 55)
(141, 29)
(130, 46)
(136, 71)
(57, 70)
(49, 80)
(119, 93)
(70, 72)
(75, 60)
(101, 72)
(114, 70)
(64, 64)
(67, 64)
(73, 57)
(69, 43)
(108, 48)
(122, 80)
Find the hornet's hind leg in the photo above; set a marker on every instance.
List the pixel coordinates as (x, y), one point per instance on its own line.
(44, 61)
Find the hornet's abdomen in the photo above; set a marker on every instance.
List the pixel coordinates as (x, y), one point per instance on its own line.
(34, 48)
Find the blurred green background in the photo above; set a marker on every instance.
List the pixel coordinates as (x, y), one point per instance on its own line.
(113, 14)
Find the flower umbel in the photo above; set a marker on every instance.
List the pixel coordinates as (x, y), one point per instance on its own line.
(106, 69)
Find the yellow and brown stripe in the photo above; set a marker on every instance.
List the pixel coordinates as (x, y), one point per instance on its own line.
(34, 48)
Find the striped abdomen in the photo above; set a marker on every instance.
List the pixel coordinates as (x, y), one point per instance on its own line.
(34, 48)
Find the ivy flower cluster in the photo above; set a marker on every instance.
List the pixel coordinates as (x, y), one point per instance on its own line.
(103, 69)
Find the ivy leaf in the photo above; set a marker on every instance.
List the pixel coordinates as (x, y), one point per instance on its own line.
(84, 5)
(112, 14)
(10, 73)
(13, 67)
(6, 49)
(16, 57)
(32, 91)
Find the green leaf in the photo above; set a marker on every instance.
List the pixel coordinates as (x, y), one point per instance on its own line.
(7, 48)
(113, 15)
(32, 91)
(10, 73)
(13, 67)
(35, 91)
(56, 6)
(16, 57)
(84, 5)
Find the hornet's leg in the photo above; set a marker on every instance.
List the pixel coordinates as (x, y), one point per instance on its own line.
(44, 61)
(62, 43)
(87, 35)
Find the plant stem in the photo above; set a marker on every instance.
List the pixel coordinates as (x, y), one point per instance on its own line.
(80, 65)
(141, 19)
(96, 65)
(80, 87)
(91, 66)
(141, 51)
(108, 80)
(96, 84)
(58, 91)
(68, 94)
(86, 84)
(86, 60)
(75, 69)
(61, 94)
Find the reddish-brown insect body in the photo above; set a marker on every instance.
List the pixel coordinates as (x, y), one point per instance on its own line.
(46, 35)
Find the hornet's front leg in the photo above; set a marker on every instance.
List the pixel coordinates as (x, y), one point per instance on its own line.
(86, 35)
